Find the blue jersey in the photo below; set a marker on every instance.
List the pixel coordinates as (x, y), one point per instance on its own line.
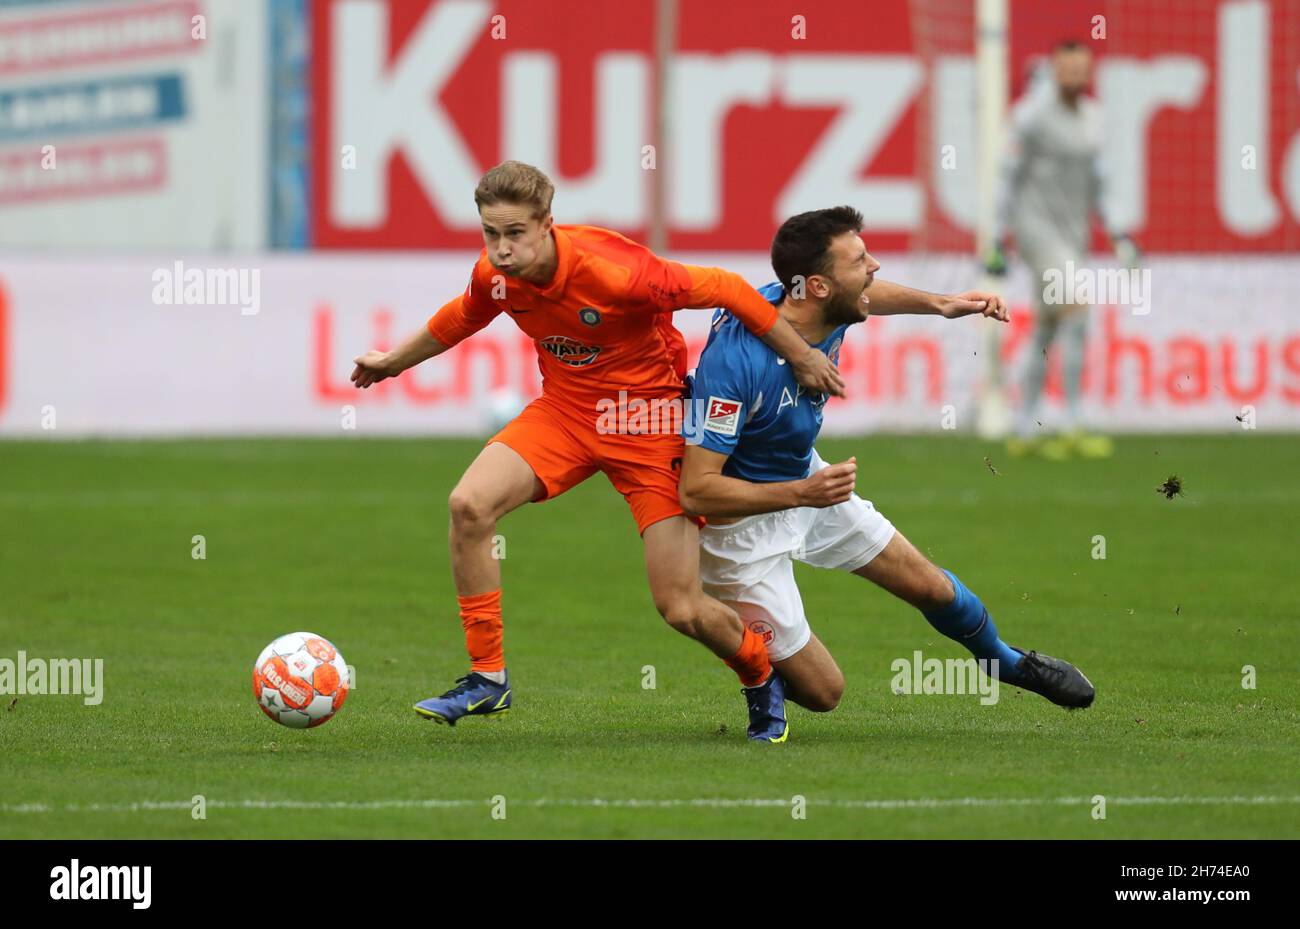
(749, 405)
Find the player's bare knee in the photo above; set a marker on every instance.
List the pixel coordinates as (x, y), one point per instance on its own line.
(829, 701)
(826, 695)
(469, 510)
(816, 699)
(679, 611)
(835, 691)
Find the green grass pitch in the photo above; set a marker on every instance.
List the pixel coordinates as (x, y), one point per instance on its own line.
(349, 539)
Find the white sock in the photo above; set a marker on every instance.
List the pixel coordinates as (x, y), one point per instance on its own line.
(496, 677)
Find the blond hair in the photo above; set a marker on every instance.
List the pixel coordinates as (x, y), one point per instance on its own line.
(517, 183)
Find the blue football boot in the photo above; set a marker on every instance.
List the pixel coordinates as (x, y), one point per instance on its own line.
(473, 695)
(767, 710)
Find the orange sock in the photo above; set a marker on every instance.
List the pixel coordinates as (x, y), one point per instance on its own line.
(481, 617)
(751, 663)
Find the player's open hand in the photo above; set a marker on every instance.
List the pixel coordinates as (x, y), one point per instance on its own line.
(831, 485)
(976, 302)
(371, 368)
(816, 374)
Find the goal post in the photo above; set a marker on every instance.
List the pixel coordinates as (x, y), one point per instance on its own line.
(964, 49)
(992, 418)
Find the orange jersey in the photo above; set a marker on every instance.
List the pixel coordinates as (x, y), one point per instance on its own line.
(603, 323)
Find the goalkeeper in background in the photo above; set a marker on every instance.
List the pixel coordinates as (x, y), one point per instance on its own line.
(1050, 185)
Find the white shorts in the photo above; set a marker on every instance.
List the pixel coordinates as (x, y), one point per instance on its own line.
(749, 564)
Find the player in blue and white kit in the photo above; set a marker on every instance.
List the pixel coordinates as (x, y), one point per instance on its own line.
(751, 469)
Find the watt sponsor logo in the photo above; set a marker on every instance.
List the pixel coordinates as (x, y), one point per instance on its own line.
(103, 882)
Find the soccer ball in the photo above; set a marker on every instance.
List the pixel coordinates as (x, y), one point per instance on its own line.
(300, 680)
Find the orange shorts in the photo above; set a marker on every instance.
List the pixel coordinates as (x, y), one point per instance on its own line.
(564, 450)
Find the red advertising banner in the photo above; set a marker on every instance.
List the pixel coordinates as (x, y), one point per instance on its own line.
(772, 111)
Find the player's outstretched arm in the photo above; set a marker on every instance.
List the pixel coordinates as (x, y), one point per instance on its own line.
(676, 286)
(890, 299)
(375, 366)
(705, 491)
(457, 320)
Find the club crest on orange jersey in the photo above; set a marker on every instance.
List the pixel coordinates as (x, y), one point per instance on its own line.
(570, 351)
(589, 315)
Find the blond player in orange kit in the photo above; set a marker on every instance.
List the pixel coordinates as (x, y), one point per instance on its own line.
(598, 307)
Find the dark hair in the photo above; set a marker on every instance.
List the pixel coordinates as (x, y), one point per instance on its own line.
(800, 247)
(1070, 45)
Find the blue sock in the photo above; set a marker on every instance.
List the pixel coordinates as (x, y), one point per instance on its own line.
(965, 620)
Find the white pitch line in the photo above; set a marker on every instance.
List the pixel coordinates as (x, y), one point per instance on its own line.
(146, 806)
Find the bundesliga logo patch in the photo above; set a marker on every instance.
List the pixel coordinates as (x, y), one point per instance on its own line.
(723, 416)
